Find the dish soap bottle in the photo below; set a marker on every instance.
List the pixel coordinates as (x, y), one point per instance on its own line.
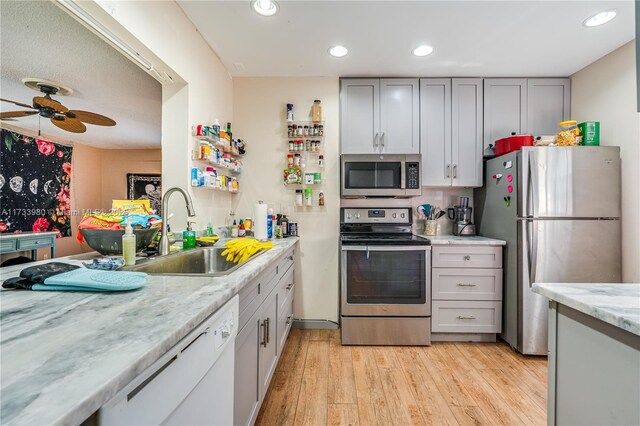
(234, 229)
(189, 237)
(129, 245)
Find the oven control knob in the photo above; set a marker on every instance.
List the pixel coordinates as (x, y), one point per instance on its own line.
(357, 215)
(403, 215)
(348, 215)
(395, 215)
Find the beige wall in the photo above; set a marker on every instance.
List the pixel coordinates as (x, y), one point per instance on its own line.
(165, 30)
(260, 112)
(116, 163)
(605, 91)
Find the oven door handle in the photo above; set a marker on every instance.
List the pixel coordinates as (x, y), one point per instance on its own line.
(369, 248)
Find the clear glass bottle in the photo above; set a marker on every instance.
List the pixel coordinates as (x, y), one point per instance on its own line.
(299, 197)
(316, 111)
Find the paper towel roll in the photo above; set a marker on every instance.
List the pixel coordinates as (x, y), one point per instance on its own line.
(260, 221)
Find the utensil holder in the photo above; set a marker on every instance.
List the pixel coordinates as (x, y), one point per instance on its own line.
(431, 227)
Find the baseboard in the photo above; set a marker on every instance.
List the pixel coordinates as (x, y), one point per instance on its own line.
(315, 324)
(463, 337)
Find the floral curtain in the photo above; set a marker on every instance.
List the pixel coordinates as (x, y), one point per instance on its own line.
(35, 185)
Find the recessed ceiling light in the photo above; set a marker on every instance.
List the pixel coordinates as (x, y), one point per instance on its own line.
(338, 51)
(265, 7)
(423, 50)
(600, 18)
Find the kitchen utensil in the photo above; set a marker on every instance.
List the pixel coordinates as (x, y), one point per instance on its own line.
(512, 143)
(109, 241)
(439, 215)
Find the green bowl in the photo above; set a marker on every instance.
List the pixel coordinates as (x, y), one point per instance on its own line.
(109, 241)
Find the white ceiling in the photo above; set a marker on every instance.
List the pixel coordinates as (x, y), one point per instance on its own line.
(471, 38)
(38, 39)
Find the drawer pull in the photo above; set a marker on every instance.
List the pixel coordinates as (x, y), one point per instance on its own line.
(463, 317)
(467, 257)
(466, 284)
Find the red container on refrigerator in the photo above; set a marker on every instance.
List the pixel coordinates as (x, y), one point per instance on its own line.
(512, 143)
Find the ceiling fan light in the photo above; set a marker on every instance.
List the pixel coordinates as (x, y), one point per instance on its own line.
(265, 7)
(600, 18)
(338, 51)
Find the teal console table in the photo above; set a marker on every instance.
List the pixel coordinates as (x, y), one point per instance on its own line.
(28, 241)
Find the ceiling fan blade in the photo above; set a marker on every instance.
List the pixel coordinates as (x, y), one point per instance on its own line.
(50, 103)
(90, 117)
(13, 114)
(16, 103)
(69, 124)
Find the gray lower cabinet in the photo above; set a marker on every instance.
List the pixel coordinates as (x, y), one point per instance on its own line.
(594, 371)
(466, 293)
(266, 314)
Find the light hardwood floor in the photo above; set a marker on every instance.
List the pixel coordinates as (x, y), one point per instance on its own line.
(320, 382)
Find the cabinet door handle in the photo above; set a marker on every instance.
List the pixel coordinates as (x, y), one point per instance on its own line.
(264, 333)
(463, 317)
(467, 257)
(455, 171)
(466, 284)
(382, 140)
(375, 140)
(448, 170)
(268, 331)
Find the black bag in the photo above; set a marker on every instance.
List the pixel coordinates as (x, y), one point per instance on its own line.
(37, 274)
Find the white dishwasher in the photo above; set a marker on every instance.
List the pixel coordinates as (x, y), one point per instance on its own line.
(192, 384)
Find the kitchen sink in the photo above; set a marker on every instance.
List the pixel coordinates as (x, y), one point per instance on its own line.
(205, 261)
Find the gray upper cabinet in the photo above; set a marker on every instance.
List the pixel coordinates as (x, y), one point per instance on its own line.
(466, 132)
(451, 131)
(399, 116)
(505, 109)
(435, 131)
(360, 116)
(379, 116)
(548, 103)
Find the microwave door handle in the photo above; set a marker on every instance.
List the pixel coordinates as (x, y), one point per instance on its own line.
(403, 174)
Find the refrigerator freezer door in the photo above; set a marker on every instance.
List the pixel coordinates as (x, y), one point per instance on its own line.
(576, 182)
(560, 251)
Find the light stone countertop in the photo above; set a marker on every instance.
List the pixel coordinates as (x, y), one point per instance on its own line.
(615, 303)
(470, 240)
(65, 354)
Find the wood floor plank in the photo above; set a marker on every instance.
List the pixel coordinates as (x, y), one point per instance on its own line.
(323, 335)
(372, 404)
(477, 356)
(402, 405)
(342, 382)
(449, 386)
(432, 405)
(312, 402)
(520, 402)
(495, 409)
(343, 415)
(472, 416)
(279, 406)
(385, 357)
(451, 357)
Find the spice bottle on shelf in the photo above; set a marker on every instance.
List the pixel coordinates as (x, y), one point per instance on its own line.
(321, 160)
(291, 145)
(216, 130)
(297, 160)
(299, 197)
(290, 160)
(289, 112)
(308, 197)
(321, 199)
(316, 111)
(305, 131)
(294, 130)
(320, 130)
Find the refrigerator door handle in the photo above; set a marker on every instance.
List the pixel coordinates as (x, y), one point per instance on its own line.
(532, 249)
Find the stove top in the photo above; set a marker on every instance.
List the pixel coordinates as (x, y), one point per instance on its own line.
(378, 226)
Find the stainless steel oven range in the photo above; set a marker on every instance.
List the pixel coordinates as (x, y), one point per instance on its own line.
(384, 277)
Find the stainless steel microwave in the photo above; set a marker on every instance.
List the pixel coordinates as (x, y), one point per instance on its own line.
(380, 175)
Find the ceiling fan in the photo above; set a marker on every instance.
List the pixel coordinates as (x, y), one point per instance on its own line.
(61, 116)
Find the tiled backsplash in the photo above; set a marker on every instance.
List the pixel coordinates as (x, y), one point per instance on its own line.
(441, 197)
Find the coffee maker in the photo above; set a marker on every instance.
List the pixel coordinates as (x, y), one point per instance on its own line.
(461, 214)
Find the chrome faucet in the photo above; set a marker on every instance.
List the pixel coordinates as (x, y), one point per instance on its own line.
(164, 238)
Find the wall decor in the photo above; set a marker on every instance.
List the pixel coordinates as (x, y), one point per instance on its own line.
(35, 185)
(146, 187)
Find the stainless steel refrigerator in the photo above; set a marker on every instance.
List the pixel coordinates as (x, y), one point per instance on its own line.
(558, 208)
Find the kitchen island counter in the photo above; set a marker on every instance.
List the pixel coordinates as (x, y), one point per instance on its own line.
(474, 240)
(594, 353)
(65, 354)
